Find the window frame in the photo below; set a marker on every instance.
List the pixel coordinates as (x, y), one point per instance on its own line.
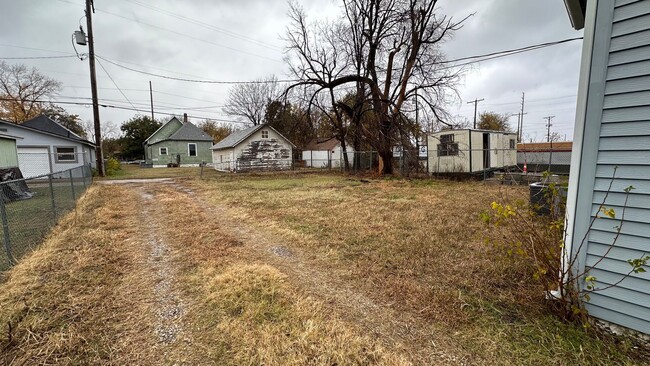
(196, 149)
(160, 149)
(513, 144)
(57, 154)
(265, 134)
(447, 145)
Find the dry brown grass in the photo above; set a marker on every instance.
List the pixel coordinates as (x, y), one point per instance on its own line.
(388, 272)
(247, 313)
(417, 247)
(81, 297)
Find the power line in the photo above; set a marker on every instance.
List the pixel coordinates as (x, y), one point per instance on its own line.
(114, 83)
(205, 25)
(105, 105)
(35, 57)
(514, 50)
(194, 80)
(35, 49)
(187, 35)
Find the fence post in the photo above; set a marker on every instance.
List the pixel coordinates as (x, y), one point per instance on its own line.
(49, 178)
(83, 176)
(5, 225)
(72, 186)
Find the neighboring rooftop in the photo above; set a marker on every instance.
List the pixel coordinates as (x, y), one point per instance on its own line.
(322, 144)
(236, 137)
(545, 146)
(46, 124)
(189, 132)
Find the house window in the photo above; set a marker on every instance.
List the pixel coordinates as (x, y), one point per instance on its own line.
(221, 157)
(163, 151)
(447, 146)
(512, 144)
(65, 154)
(265, 134)
(191, 149)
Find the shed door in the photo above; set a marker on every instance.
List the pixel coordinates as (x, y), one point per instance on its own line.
(33, 161)
(486, 151)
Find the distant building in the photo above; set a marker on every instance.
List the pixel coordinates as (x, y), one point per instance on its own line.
(259, 147)
(45, 146)
(177, 142)
(326, 153)
(471, 151)
(545, 156)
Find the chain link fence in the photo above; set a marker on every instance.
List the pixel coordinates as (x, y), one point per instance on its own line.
(30, 207)
(417, 162)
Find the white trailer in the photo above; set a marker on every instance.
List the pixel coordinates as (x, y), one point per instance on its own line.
(471, 151)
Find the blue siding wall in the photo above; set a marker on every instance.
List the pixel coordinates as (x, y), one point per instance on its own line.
(623, 143)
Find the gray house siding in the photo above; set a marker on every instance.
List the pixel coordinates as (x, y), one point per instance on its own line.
(615, 154)
(47, 163)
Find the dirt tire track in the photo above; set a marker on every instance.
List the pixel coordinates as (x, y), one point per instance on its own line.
(397, 330)
(168, 304)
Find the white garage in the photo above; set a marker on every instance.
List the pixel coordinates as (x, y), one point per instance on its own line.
(33, 161)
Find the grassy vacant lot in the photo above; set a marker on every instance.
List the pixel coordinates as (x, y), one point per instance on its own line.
(286, 269)
(131, 171)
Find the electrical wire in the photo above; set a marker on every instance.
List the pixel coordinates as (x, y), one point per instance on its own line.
(113, 106)
(205, 25)
(193, 80)
(114, 83)
(187, 35)
(35, 57)
(504, 53)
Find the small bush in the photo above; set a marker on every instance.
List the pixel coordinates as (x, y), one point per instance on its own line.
(112, 166)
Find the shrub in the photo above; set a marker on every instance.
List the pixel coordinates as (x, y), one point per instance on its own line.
(112, 166)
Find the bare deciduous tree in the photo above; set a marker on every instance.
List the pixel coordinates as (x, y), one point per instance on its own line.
(386, 50)
(249, 100)
(22, 91)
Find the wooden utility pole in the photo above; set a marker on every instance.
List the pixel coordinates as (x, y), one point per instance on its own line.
(475, 101)
(151, 97)
(521, 119)
(548, 127)
(93, 87)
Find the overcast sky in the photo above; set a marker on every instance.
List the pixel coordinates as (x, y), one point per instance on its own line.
(241, 40)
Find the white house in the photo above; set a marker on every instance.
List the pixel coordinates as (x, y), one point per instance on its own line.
(45, 147)
(611, 151)
(471, 151)
(326, 153)
(259, 147)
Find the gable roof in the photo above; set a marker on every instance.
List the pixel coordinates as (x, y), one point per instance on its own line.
(236, 137)
(326, 144)
(576, 10)
(189, 132)
(161, 127)
(73, 137)
(46, 124)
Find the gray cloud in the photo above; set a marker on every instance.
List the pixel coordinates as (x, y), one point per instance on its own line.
(548, 76)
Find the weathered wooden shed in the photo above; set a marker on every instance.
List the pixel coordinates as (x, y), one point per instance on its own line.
(259, 147)
(471, 151)
(611, 151)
